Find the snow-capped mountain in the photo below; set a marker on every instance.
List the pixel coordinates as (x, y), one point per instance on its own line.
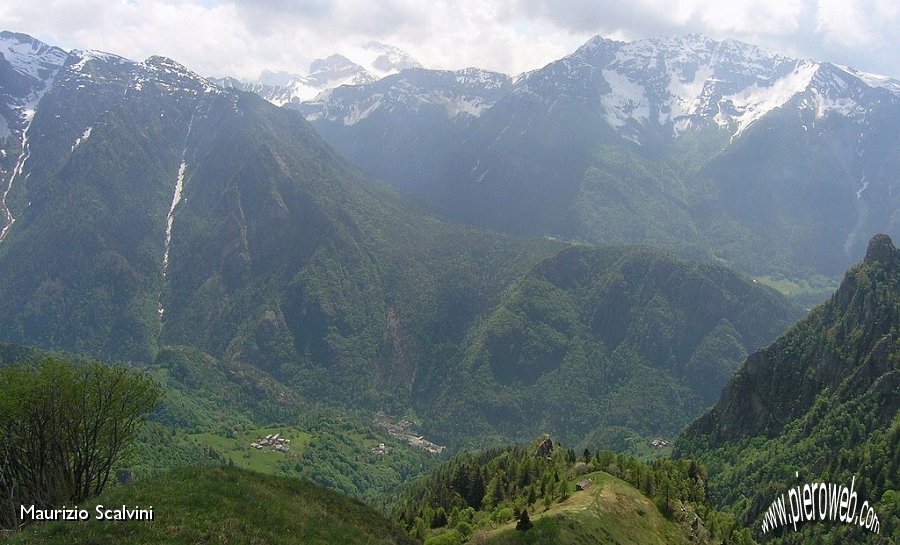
(384, 59)
(27, 67)
(660, 85)
(459, 94)
(690, 81)
(372, 62)
(714, 148)
(30, 70)
(337, 70)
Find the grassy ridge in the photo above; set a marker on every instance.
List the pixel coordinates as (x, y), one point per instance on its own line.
(481, 498)
(225, 505)
(610, 511)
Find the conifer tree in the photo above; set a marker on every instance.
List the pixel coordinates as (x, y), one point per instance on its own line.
(524, 523)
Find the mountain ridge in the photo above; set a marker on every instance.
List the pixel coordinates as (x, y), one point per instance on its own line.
(822, 400)
(718, 150)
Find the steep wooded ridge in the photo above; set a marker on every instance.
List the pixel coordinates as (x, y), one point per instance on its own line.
(824, 400)
(153, 209)
(717, 149)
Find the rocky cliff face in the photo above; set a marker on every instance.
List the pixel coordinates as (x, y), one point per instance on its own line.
(821, 404)
(848, 344)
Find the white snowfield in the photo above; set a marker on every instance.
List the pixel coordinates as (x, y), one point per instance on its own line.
(683, 80)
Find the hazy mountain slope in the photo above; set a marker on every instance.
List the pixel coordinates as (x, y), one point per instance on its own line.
(172, 167)
(613, 339)
(402, 124)
(824, 400)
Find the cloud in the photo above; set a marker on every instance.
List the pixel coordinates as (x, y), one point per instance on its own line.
(655, 17)
(866, 23)
(864, 33)
(244, 37)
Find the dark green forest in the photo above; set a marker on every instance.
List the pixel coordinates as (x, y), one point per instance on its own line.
(823, 400)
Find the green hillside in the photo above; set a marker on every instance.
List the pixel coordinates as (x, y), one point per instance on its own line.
(821, 404)
(209, 414)
(224, 505)
(609, 511)
(593, 498)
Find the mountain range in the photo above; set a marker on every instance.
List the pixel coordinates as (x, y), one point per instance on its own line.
(718, 150)
(374, 61)
(153, 217)
(152, 208)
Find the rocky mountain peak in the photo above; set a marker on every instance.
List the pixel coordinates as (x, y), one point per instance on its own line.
(881, 249)
(337, 68)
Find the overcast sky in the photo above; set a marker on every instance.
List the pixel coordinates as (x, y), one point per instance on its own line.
(243, 37)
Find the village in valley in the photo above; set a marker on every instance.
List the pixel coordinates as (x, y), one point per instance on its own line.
(278, 443)
(403, 431)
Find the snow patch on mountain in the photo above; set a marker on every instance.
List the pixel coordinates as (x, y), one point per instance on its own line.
(844, 106)
(9, 220)
(356, 114)
(757, 100)
(463, 94)
(86, 56)
(864, 184)
(873, 80)
(84, 136)
(170, 217)
(38, 64)
(463, 105)
(172, 76)
(687, 98)
(30, 57)
(626, 101)
(483, 79)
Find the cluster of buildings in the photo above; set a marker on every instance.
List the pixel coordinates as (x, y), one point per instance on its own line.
(658, 443)
(403, 432)
(275, 441)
